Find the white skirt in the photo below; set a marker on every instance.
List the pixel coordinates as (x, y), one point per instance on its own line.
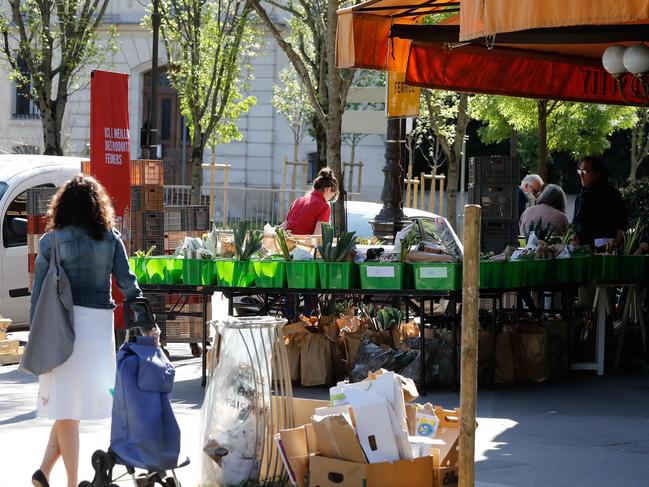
(82, 387)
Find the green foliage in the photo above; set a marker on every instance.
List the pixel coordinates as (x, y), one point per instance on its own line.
(208, 45)
(283, 246)
(247, 242)
(636, 198)
(59, 45)
(577, 128)
(338, 252)
(292, 101)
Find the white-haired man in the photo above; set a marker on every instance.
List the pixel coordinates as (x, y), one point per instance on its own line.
(528, 191)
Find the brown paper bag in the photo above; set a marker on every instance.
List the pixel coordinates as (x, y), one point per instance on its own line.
(504, 358)
(315, 360)
(293, 351)
(401, 333)
(352, 344)
(530, 353)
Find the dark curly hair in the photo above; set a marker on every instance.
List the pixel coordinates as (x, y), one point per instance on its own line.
(326, 179)
(82, 202)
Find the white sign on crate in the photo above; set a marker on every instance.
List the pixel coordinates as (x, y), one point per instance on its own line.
(433, 272)
(380, 271)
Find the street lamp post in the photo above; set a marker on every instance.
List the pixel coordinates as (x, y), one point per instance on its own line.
(391, 217)
(152, 141)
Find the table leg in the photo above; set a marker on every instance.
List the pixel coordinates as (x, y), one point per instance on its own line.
(493, 342)
(453, 305)
(422, 349)
(205, 331)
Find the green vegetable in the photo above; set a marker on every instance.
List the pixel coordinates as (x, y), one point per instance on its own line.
(247, 242)
(381, 319)
(632, 238)
(335, 253)
(140, 254)
(542, 232)
(283, 246)
(407, 242)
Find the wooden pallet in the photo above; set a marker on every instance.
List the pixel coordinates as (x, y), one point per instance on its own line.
(12, 358)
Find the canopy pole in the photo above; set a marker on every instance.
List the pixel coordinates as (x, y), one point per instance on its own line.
(469, 352)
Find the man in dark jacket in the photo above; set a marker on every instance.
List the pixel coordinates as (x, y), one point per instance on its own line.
(599, 208)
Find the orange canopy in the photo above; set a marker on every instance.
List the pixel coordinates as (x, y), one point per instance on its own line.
(488, 17)
(387, 35)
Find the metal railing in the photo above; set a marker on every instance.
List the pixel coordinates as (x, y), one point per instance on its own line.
(260, 205)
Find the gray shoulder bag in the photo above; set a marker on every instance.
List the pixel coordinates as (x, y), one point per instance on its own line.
(51, 333)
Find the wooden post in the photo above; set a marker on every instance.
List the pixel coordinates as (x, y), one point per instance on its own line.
(408, 182)
(226, 179)
(415, 192)
(469, 350)
(305, 170)
(360, 176)
(284, 196)
(433, 184)
(212, 184)
(442, 180)
(422, 181)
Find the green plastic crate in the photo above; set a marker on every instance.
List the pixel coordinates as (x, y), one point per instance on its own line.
(155, 269)
(338, 275)
(513, 274)
(174, 271)
(627, 269)
(235, 273)
(270, 273)
(492, 274)
(302, 274)
(383, 275)
(208, 273)
(192, 272)
(138, 267)
(437, 276)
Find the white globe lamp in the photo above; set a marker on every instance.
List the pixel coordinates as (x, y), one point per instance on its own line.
(612, 60)
(636, 59)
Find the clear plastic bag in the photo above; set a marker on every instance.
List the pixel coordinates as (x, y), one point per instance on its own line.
(237, 401)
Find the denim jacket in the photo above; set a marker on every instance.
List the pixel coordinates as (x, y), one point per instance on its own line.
(89, 264)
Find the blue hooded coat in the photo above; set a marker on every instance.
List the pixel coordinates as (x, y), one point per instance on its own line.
(144, 432)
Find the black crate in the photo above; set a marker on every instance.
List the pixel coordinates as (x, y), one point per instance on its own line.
(157, 301)
(136, 198)
(494, 170)
(152, 224)
(173, 218)
(38, 200)
(201, 218)
(497, 202)
(496, 235)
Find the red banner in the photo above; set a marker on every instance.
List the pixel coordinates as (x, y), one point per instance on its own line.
(110, 151)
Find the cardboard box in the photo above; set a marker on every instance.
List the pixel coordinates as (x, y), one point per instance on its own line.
(8, 346)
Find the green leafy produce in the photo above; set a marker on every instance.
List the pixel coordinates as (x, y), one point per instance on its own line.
(407, 242)
(247, 242)
(283, 246)
(632, 238)
(140, 254)
(381, 319)
(568, 236)
(542, 232)
(338, 252)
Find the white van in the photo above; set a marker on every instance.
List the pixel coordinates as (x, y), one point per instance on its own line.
(18, 173)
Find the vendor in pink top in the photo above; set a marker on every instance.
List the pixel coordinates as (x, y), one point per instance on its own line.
(307, 213)
(550, 207)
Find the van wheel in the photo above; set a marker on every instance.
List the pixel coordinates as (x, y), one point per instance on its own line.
(196, 349)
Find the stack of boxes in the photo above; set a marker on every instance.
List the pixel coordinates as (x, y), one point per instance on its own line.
(492, 184)
(38, 200)
(147, 200)
(10, 350)
(183, 311)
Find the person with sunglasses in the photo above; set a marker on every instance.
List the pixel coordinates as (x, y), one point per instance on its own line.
(307, 213)
(600, 214)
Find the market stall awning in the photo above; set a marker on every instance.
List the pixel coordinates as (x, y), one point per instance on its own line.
(490, 17)
(543, 62)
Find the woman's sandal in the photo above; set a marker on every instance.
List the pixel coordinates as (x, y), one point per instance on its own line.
(39, 480)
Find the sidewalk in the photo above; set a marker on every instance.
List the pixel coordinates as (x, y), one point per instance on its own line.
(584, 431)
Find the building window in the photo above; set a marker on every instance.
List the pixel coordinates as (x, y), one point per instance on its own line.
(23, 106)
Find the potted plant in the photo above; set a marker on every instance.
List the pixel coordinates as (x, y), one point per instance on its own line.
(335, 270)
(239, 272)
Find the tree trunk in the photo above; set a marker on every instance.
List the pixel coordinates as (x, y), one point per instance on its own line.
(543, 138)
(513, 143)
(51, 133)
(197, 174)
(321, 142)
(455, 159)
(335, 115)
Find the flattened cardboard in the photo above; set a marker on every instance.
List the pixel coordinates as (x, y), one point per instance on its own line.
(295, 454)
(328, 472)
(336, 438)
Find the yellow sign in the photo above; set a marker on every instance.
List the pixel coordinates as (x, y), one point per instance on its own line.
(403, 100)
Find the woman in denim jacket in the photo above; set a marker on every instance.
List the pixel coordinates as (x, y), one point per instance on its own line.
(91, 251)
